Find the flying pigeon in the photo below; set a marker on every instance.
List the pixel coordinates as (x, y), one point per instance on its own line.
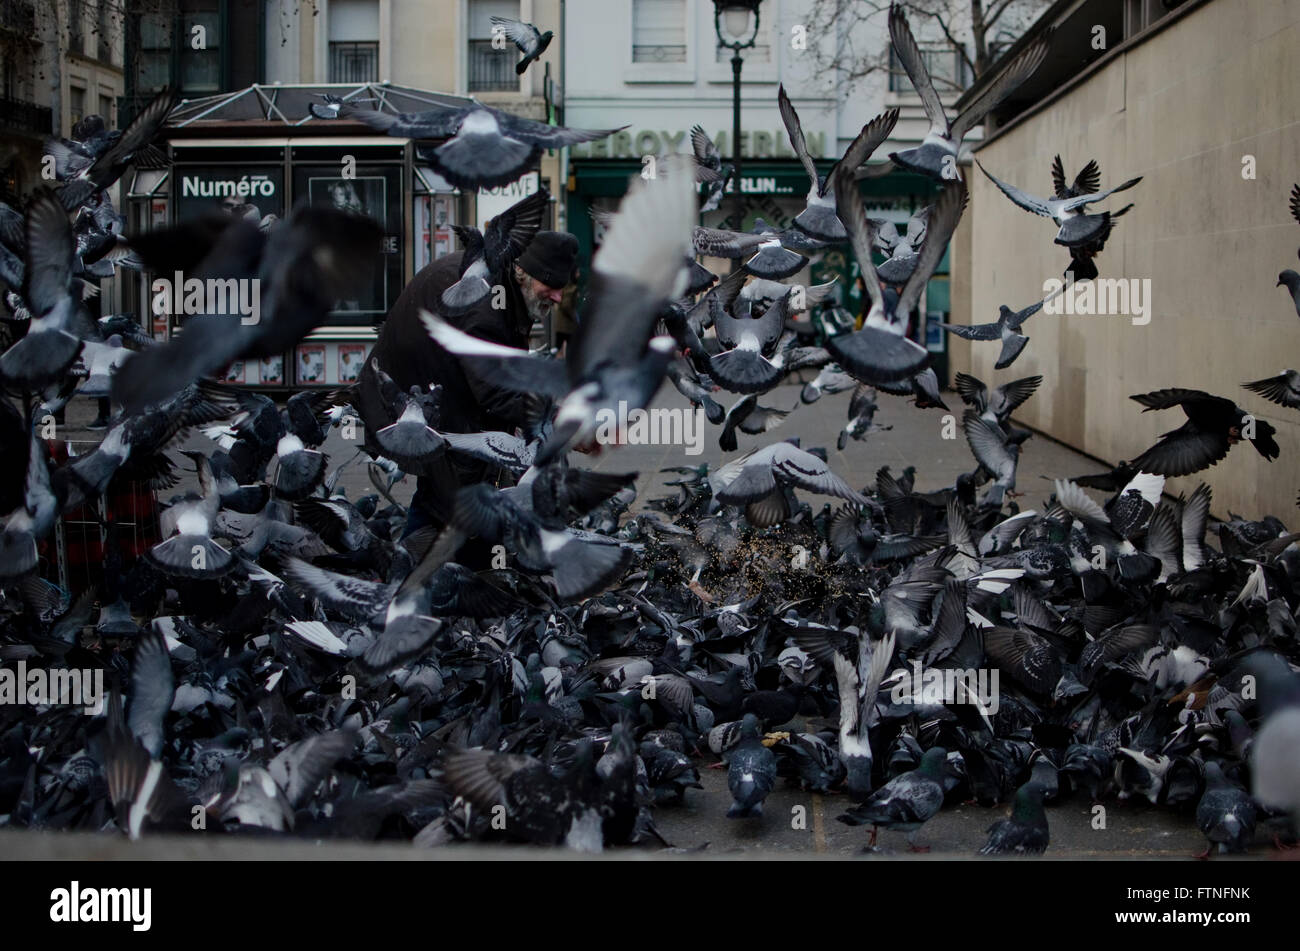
(488, 255)
(530, 41)
(1076, 228)
(484, 147)
(1213, 425)
(939, 151)
(819, 218)
(880, 352)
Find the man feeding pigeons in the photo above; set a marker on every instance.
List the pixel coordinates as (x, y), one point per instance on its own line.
(484, 290)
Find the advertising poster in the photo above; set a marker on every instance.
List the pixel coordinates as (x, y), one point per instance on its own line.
(311, 363)
(351, 358)
(272, 370)
(363, 195)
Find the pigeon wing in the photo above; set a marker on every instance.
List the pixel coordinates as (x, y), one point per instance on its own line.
(1007, 81)
(943, 222)
(904, 43)
(1023, 199)
(794, 130)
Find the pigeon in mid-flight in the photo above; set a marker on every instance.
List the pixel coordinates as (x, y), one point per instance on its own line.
(757, 481)
(818, 218)
(1083, 263)
(1289, 278)
(484, 147)
(709, 170)
(1076, 228)
(900, 249)
(938, 152)
(54, 337)
(531, 41)
(489, 253)
(99, 160)
(881, 352)
(1213, 425)
(1006, 329)
(1283, 389)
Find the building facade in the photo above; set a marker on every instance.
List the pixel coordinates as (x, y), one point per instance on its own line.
(656, 67)
(1200, 99)
(59, 62)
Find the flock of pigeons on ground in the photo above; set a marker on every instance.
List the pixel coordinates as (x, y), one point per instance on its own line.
(553, 664)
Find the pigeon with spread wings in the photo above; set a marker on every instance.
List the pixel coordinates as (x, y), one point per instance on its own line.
(484, 147)
(709, 170)
(938, 152)
(757, 481)
(489, 253)
(881, 352)
(1213, 425)
(1289, 278)
(819, 218)
(1076, 228)
(531, 41)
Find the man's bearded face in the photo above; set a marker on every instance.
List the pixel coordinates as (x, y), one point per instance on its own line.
(539, 298)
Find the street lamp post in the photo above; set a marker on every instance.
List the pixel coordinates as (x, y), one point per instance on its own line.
(736, 23)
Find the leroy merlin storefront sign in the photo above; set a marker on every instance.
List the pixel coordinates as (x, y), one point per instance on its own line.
(758, 143)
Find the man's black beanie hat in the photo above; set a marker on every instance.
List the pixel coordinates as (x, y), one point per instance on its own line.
(551, 257)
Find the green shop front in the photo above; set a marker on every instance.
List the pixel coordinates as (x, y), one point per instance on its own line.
(774, 190)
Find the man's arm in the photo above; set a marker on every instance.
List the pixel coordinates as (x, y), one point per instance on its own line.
(495, 402)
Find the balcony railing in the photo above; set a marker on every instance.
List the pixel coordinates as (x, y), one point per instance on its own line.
(492, 70)
(354, 62)
(25, 116)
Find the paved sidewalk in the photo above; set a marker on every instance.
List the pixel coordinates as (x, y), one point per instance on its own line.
(916, 439)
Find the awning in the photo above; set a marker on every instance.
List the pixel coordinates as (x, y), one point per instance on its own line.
(287, 103)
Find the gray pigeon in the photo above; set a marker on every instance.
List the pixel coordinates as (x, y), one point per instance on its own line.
(906, 802)
(1225, 814)
(819, 218)
(1025, 830)
(751, 773)
(1076, 226)
(530, 40)
(938, 152)
(479, 147)
(881, 352)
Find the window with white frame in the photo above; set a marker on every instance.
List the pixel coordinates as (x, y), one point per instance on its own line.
(354, 41)
(491, 66)
(948, 69)
(659, 31)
